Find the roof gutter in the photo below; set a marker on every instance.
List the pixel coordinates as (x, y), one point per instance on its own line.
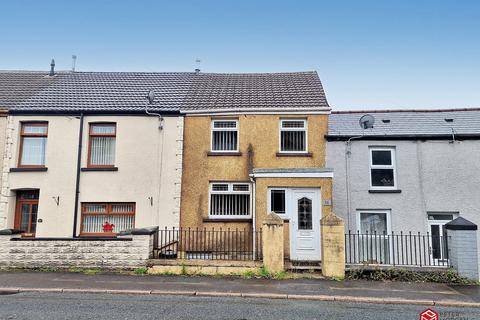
(474, 136)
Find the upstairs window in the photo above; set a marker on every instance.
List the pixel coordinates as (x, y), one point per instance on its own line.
(101, 152)
(293, 135)
(33, 144)
(382, 168)
(225, 135)
(230, 200)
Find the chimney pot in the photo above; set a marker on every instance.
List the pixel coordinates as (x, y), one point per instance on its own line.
(52, 68)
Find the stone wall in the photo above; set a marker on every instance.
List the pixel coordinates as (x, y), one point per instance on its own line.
(122, 252)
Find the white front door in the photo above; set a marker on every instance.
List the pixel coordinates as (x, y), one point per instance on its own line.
(304, 213)
(438, 237)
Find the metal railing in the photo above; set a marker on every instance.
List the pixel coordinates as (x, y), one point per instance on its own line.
(208, 244)
(396, 249)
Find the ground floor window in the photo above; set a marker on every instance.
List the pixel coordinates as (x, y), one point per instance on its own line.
(107, 218)
(373, 241)
(229, 200)
(373, 222)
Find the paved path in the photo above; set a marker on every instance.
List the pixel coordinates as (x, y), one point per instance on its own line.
(361, 291)
(51, 306)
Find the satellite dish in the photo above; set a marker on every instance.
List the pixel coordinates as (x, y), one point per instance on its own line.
(151, 96)
(366, 121)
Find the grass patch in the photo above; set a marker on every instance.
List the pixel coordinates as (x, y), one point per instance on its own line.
(398, 274)
(140, 271)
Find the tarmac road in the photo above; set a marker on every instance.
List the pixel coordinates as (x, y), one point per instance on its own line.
(52, 306)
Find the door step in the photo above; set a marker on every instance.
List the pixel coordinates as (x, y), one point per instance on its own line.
(304, 265)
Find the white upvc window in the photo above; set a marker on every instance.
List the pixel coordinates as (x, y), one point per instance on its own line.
(383, 175)
(230, 200)
(277, 201)
(224, 135)
(293, 136)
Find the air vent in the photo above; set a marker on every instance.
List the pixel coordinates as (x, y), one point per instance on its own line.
(386, 120)
(448, 119)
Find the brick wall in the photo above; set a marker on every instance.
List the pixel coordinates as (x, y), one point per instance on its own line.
(123, 252)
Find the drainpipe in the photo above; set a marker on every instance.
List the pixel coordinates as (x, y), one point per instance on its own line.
(77, 184)
(254, 240)
(348, 153)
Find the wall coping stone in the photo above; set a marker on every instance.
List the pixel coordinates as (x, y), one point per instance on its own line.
(461, 224)
(272, 219)
(8, 232)
(73, 239)
(139, 231)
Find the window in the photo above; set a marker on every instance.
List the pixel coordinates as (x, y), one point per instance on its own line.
(101, 152)
(225, 135)
(230, 200)
(33, 144)
(373, 222)
(277, 201)
(382, 168)
(293, 136)
(107, 218)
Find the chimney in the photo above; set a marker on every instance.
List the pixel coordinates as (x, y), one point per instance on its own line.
(197, 70)
(52, 68)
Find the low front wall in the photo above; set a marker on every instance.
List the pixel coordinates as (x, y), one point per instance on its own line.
(124, 252)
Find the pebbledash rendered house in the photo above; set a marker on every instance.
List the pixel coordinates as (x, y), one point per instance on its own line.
(414, 171)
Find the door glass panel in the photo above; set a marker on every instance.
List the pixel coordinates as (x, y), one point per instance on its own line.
(25, 217)
(444, 243)
(436, 253)
(304, 214)
(33, 227)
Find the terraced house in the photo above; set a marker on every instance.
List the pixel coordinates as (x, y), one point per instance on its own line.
(254, 144)
(87, 154)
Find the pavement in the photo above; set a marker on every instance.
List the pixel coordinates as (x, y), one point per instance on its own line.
(427, 294)
(53, 306)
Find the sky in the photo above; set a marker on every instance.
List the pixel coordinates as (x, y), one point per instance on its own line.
(369, 54)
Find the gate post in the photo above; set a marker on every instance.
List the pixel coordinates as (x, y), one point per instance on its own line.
(272, 241)
(333, 246)
(462, 247)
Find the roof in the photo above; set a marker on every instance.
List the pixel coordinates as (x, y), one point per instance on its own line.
(25, 91)
(406, 123)
(255, 91)
(92, 91)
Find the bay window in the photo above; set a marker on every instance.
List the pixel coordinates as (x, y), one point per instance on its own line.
(101, 151)
(33, 144)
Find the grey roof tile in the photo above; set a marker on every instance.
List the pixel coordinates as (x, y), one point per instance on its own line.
(406, 123)
(174, 91)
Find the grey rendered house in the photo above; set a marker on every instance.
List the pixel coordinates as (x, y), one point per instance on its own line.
(415, 170)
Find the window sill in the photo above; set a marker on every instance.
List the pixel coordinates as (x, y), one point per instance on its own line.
(213, 153)
(26, 169)
(227, 220)
(100, 169)
(297, 154)
(385, 191)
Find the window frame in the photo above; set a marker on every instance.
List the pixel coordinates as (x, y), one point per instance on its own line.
(387, 217)
(229, 191)
(269, 201)
(90, 135)
(37, 135)
(393, 167)
(280, 129)
(213, 129)
(107, 212)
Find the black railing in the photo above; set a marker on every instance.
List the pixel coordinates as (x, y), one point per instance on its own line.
(208, 244)
(397, 249)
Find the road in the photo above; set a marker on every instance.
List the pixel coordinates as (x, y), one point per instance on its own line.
(54, 306)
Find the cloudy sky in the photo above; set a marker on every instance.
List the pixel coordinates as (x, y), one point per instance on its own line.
(369, 54)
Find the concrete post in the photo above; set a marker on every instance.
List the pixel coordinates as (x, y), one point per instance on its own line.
(333, 246)
(272, 238)
(462, 247)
